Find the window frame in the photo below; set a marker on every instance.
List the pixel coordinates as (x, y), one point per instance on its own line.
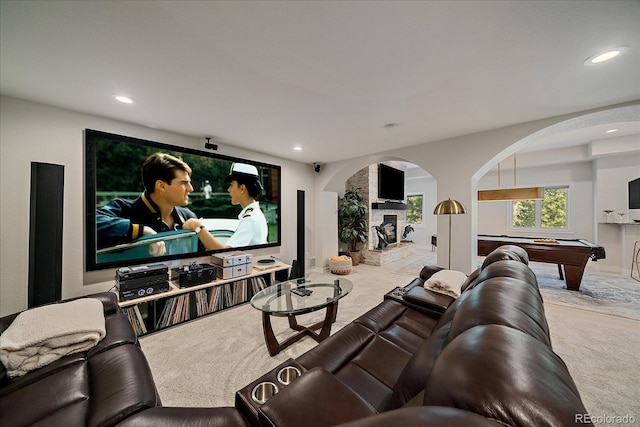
(538, 215)
(421, 223)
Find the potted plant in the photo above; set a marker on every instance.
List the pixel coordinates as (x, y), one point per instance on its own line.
(352, 222)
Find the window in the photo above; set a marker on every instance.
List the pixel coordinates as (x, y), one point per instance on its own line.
(414, 214)
(550, 213)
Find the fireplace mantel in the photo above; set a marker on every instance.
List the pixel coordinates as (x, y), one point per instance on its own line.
(398, 206)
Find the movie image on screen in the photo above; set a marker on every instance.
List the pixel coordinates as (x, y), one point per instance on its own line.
(118, 209)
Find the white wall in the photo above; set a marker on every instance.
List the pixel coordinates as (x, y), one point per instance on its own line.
(612, 174)
(428, 187)
(32, 132)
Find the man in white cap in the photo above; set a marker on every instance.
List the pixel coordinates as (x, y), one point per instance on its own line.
(244, 187)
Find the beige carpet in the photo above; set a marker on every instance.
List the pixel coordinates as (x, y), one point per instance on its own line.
(602, 354)
(203, 362)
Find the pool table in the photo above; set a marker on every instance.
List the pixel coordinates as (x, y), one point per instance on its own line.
(569, 254)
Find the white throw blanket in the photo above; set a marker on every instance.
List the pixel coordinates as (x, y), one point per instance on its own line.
(44, 334)
(447, 282)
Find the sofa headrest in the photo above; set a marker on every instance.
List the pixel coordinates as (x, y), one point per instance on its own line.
(513, 252)
(471, 280)
(502, 268)
(506, 375)
(507, 268)
(502, 301)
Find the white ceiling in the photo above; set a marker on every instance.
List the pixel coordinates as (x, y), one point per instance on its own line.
(327, 75)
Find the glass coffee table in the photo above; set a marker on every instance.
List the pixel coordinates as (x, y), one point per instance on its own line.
(294, 297)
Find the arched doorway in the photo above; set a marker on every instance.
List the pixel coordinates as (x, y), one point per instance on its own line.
(363, 174)
(592, 166)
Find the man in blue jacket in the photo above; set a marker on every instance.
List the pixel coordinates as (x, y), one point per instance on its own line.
(167, 183)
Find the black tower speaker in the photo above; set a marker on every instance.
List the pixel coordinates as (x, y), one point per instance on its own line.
(298, 268)
(45, 234)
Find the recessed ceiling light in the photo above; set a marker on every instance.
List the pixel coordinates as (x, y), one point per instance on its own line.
(124, 99)
(606, 56)
(611, 130)
(297, 147)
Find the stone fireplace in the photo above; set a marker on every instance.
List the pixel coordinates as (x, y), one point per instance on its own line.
(391, 214)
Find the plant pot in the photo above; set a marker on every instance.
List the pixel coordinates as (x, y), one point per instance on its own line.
(355, 257)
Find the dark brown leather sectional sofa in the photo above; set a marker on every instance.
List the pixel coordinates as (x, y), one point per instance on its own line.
(421, 358)
(418, 358)
(107, 385)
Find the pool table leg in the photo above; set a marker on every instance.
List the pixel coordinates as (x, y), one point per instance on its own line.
(573, 275)
(560, 273)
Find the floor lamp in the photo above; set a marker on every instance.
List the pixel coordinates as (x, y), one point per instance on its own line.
(449, 207)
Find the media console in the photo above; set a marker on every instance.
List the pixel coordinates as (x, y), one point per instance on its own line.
(158, 311)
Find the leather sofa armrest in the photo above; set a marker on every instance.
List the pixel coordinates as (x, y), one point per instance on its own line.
(417, 282)
(316, 398)
(167, 416)
(428, 271)
(6, 321)
(109, 301)
(428, 299)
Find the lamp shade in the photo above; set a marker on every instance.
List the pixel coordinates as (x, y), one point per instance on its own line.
(449, 207)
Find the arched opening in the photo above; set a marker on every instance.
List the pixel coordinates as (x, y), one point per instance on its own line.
(411, 226)
(584, 171)
(459, 165)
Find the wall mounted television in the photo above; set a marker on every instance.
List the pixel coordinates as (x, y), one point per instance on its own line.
(390, 183)
(113, 172)
(634, 194)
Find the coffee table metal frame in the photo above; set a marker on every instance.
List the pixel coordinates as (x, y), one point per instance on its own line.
(278, 300)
